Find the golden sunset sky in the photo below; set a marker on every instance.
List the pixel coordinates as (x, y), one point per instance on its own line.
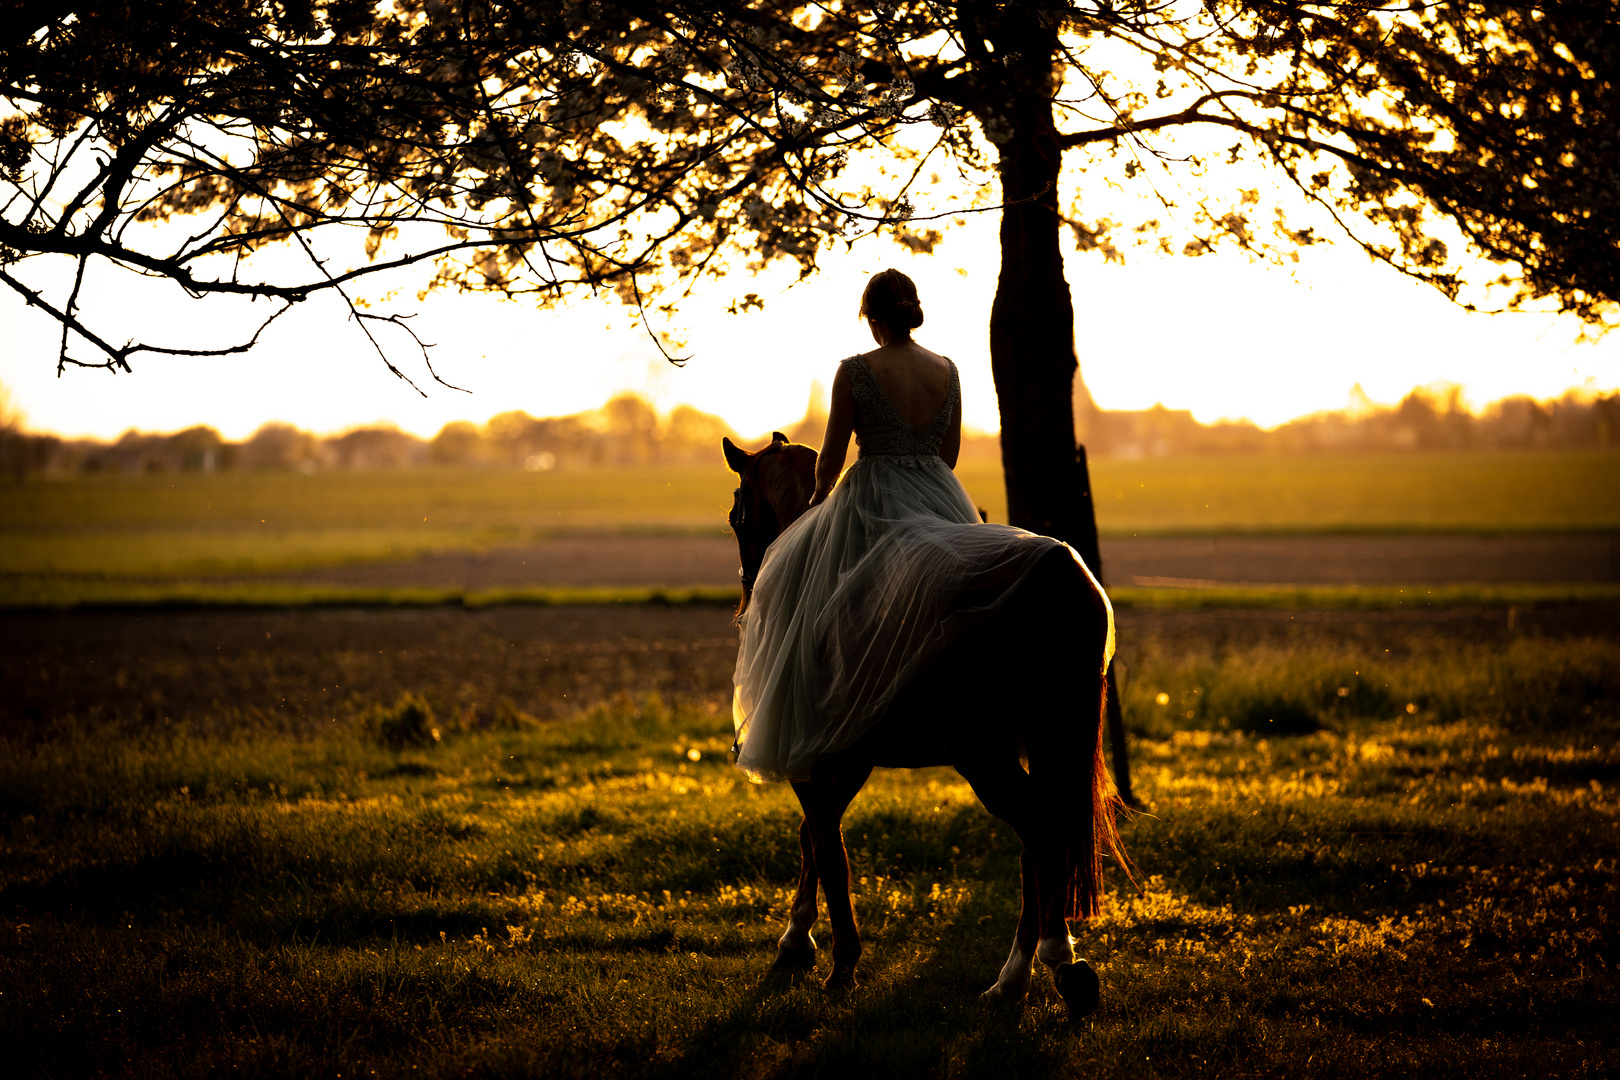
(1218, 334)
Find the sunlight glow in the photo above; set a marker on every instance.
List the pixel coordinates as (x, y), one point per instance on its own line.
(1218, 335)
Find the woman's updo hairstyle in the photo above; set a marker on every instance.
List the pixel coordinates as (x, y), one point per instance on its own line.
(891, 299)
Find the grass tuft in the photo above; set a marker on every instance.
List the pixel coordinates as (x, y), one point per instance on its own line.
(408, 722)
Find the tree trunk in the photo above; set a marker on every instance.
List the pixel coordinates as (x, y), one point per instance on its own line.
(1032, 341)
(1032, 323)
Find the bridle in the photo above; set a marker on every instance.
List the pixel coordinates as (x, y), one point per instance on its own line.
(739, 519)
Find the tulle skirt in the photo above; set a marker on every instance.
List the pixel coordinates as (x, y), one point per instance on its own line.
(856, 597)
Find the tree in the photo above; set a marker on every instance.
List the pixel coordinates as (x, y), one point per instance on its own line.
(538, 148)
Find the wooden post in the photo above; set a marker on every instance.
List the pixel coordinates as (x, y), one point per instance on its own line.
(1090, 549)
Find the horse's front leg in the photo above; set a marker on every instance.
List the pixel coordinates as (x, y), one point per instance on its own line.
(824, 798)
(796, 950)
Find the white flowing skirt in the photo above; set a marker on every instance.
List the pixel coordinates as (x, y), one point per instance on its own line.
(854, 598)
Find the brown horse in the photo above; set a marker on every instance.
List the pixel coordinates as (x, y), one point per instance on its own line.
(1024, 685)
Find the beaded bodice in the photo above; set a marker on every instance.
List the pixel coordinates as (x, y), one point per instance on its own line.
(880, 430)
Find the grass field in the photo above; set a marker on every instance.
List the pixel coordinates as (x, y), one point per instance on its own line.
(44, 592)
(1376, 849)
(1387, 492)
(234, 524)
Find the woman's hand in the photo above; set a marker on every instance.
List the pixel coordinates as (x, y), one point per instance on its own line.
(818, 498)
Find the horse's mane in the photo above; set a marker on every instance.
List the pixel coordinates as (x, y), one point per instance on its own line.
(787, 479)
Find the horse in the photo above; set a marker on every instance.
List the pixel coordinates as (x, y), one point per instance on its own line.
(998, 704)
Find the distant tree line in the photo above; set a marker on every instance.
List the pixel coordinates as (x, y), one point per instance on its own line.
(613, 147)
(626, 430)
(629, 431)
(1428, 418)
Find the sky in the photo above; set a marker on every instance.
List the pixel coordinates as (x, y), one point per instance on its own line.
(1217, 334)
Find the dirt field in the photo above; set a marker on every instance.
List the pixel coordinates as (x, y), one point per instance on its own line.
(301, 669)
(578, 561)
(1363, 560)
(1292, 560)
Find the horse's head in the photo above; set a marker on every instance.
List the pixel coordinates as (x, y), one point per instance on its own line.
(773, 489)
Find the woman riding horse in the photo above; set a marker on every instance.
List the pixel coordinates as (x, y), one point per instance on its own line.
(883, 624)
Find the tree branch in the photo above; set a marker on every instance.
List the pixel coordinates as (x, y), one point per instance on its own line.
(118, 357)
(1189, 115)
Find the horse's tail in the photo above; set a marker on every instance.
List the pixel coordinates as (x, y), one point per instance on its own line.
(1072, 621)
(1094, 830)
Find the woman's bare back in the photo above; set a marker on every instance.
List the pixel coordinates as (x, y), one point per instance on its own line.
(915, 380)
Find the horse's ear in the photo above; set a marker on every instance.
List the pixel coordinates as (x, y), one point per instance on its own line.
(777, 436)
(736, 456)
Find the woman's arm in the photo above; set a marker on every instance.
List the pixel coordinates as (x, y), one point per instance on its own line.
(835, 444)
(950, 447)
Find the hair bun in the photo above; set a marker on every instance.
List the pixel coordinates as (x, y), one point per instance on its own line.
(891, 299)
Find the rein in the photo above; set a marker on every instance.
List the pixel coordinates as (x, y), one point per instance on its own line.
(739, 516)
(739, 521)
(768, 521)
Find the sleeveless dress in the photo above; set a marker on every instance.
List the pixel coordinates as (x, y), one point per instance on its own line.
(861, 592)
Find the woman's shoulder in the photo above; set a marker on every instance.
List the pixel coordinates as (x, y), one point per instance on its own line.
(884, 357)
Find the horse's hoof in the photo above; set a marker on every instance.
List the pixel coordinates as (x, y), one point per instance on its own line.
(1000, 997)
(842, 978)
(1079, 986)
(794, 958)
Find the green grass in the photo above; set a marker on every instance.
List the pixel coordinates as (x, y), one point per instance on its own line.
(255, 523)
(47, 593)
(1383, 492)
(1345, 597)
(28, 592)
(192, 525)
(506, 500)
(1523, 687)
(1388, 892)
(193, 551)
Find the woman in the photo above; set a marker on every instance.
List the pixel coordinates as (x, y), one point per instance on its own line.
(887, 567)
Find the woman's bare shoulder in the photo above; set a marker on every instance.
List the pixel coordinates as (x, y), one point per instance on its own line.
(914, 356)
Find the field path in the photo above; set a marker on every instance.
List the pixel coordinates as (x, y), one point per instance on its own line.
(565, 561)
(583, 561)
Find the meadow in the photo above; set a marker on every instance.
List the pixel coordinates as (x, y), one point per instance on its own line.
(499, 835)
(510, 843)
(244, 524)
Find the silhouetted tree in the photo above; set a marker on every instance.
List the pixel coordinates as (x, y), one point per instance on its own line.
(279, 446)
(532, 148)
(691, 435)
(457, 443)
(21, 454)
(382, 446)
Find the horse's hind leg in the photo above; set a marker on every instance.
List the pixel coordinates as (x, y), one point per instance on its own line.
(1012, 983)
(1006, 791)
(796, 951)
(1043, 930)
